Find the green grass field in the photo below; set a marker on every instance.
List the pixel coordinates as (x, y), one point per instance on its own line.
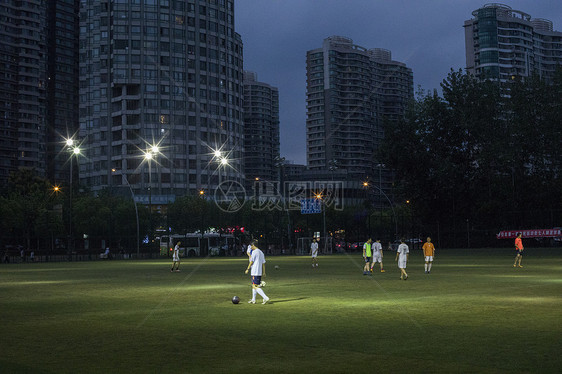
(474, 313)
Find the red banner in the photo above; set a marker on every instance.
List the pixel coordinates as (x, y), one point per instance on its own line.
(538, 233)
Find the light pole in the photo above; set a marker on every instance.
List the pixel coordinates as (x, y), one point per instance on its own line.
(333, 166)
(323, 206)
(136, 210)
(280, 163)
(366, 184)
(74, 152)
(148, 156)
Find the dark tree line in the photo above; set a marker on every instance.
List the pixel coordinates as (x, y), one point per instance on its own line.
(479, 155)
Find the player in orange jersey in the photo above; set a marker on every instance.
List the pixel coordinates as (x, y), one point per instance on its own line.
(429, 253)
(518, 249)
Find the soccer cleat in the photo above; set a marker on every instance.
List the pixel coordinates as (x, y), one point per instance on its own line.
(406, 278)
(514, 265)
(520, 266)
(382, 270)
(252, 302)
(265, 300)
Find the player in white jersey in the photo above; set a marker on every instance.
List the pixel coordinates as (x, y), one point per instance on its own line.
(314, 253)
(176, 257)
(377, 255)
(257, 266)
(402, 254)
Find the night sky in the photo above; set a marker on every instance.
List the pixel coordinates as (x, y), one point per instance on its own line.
(427, 35)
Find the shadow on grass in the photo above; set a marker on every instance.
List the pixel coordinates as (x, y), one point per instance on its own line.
(286, 300)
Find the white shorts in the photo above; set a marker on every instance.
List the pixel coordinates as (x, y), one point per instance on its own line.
(176, 258)
(402, 263)
(377, 257)
(428, 258)
(315, 255)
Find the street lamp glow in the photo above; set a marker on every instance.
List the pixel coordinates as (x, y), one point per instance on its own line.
(70, 142)
(224, 161)
(76, 150)
(218, 153)
(148, 155)
(154, 149)
(365, 184)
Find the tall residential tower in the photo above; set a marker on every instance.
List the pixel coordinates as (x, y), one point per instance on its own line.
(23, 82)
(351, 90)
(38, 86)
(261, 129)
(502, 43)
(166, 74)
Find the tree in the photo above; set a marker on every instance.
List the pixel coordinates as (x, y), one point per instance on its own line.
(28, 201)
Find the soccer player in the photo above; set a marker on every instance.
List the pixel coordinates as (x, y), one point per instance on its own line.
(367, 256)
(377, 255)
(518, 249)
(176, 258)
(314, 253)
(257, 266)
(402, 255)
(429, 253)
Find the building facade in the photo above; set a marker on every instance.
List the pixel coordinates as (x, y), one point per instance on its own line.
(62, 86)
(261, 130)
(23, 78)
(502, 43)
(38, 86)
(351, 90)
(160, 96)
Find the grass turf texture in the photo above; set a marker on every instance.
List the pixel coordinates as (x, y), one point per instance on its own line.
(474, 313)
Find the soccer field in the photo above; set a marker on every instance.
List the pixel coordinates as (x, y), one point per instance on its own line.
(474, 313)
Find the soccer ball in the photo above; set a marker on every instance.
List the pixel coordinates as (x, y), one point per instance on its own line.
(262, 284)
(235, 300)
(276, 267)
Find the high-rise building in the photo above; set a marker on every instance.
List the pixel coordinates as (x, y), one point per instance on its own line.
(38, 85)
(350, 91)
(502, 43)
(62, 85)
(23, 68)
(166, 74)
(261, 129)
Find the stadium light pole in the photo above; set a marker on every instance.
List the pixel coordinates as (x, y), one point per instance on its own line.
(323, 206)
(74, 152)
(149, 156)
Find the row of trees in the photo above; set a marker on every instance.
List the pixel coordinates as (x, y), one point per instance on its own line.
(35, 216)
(477, 155)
